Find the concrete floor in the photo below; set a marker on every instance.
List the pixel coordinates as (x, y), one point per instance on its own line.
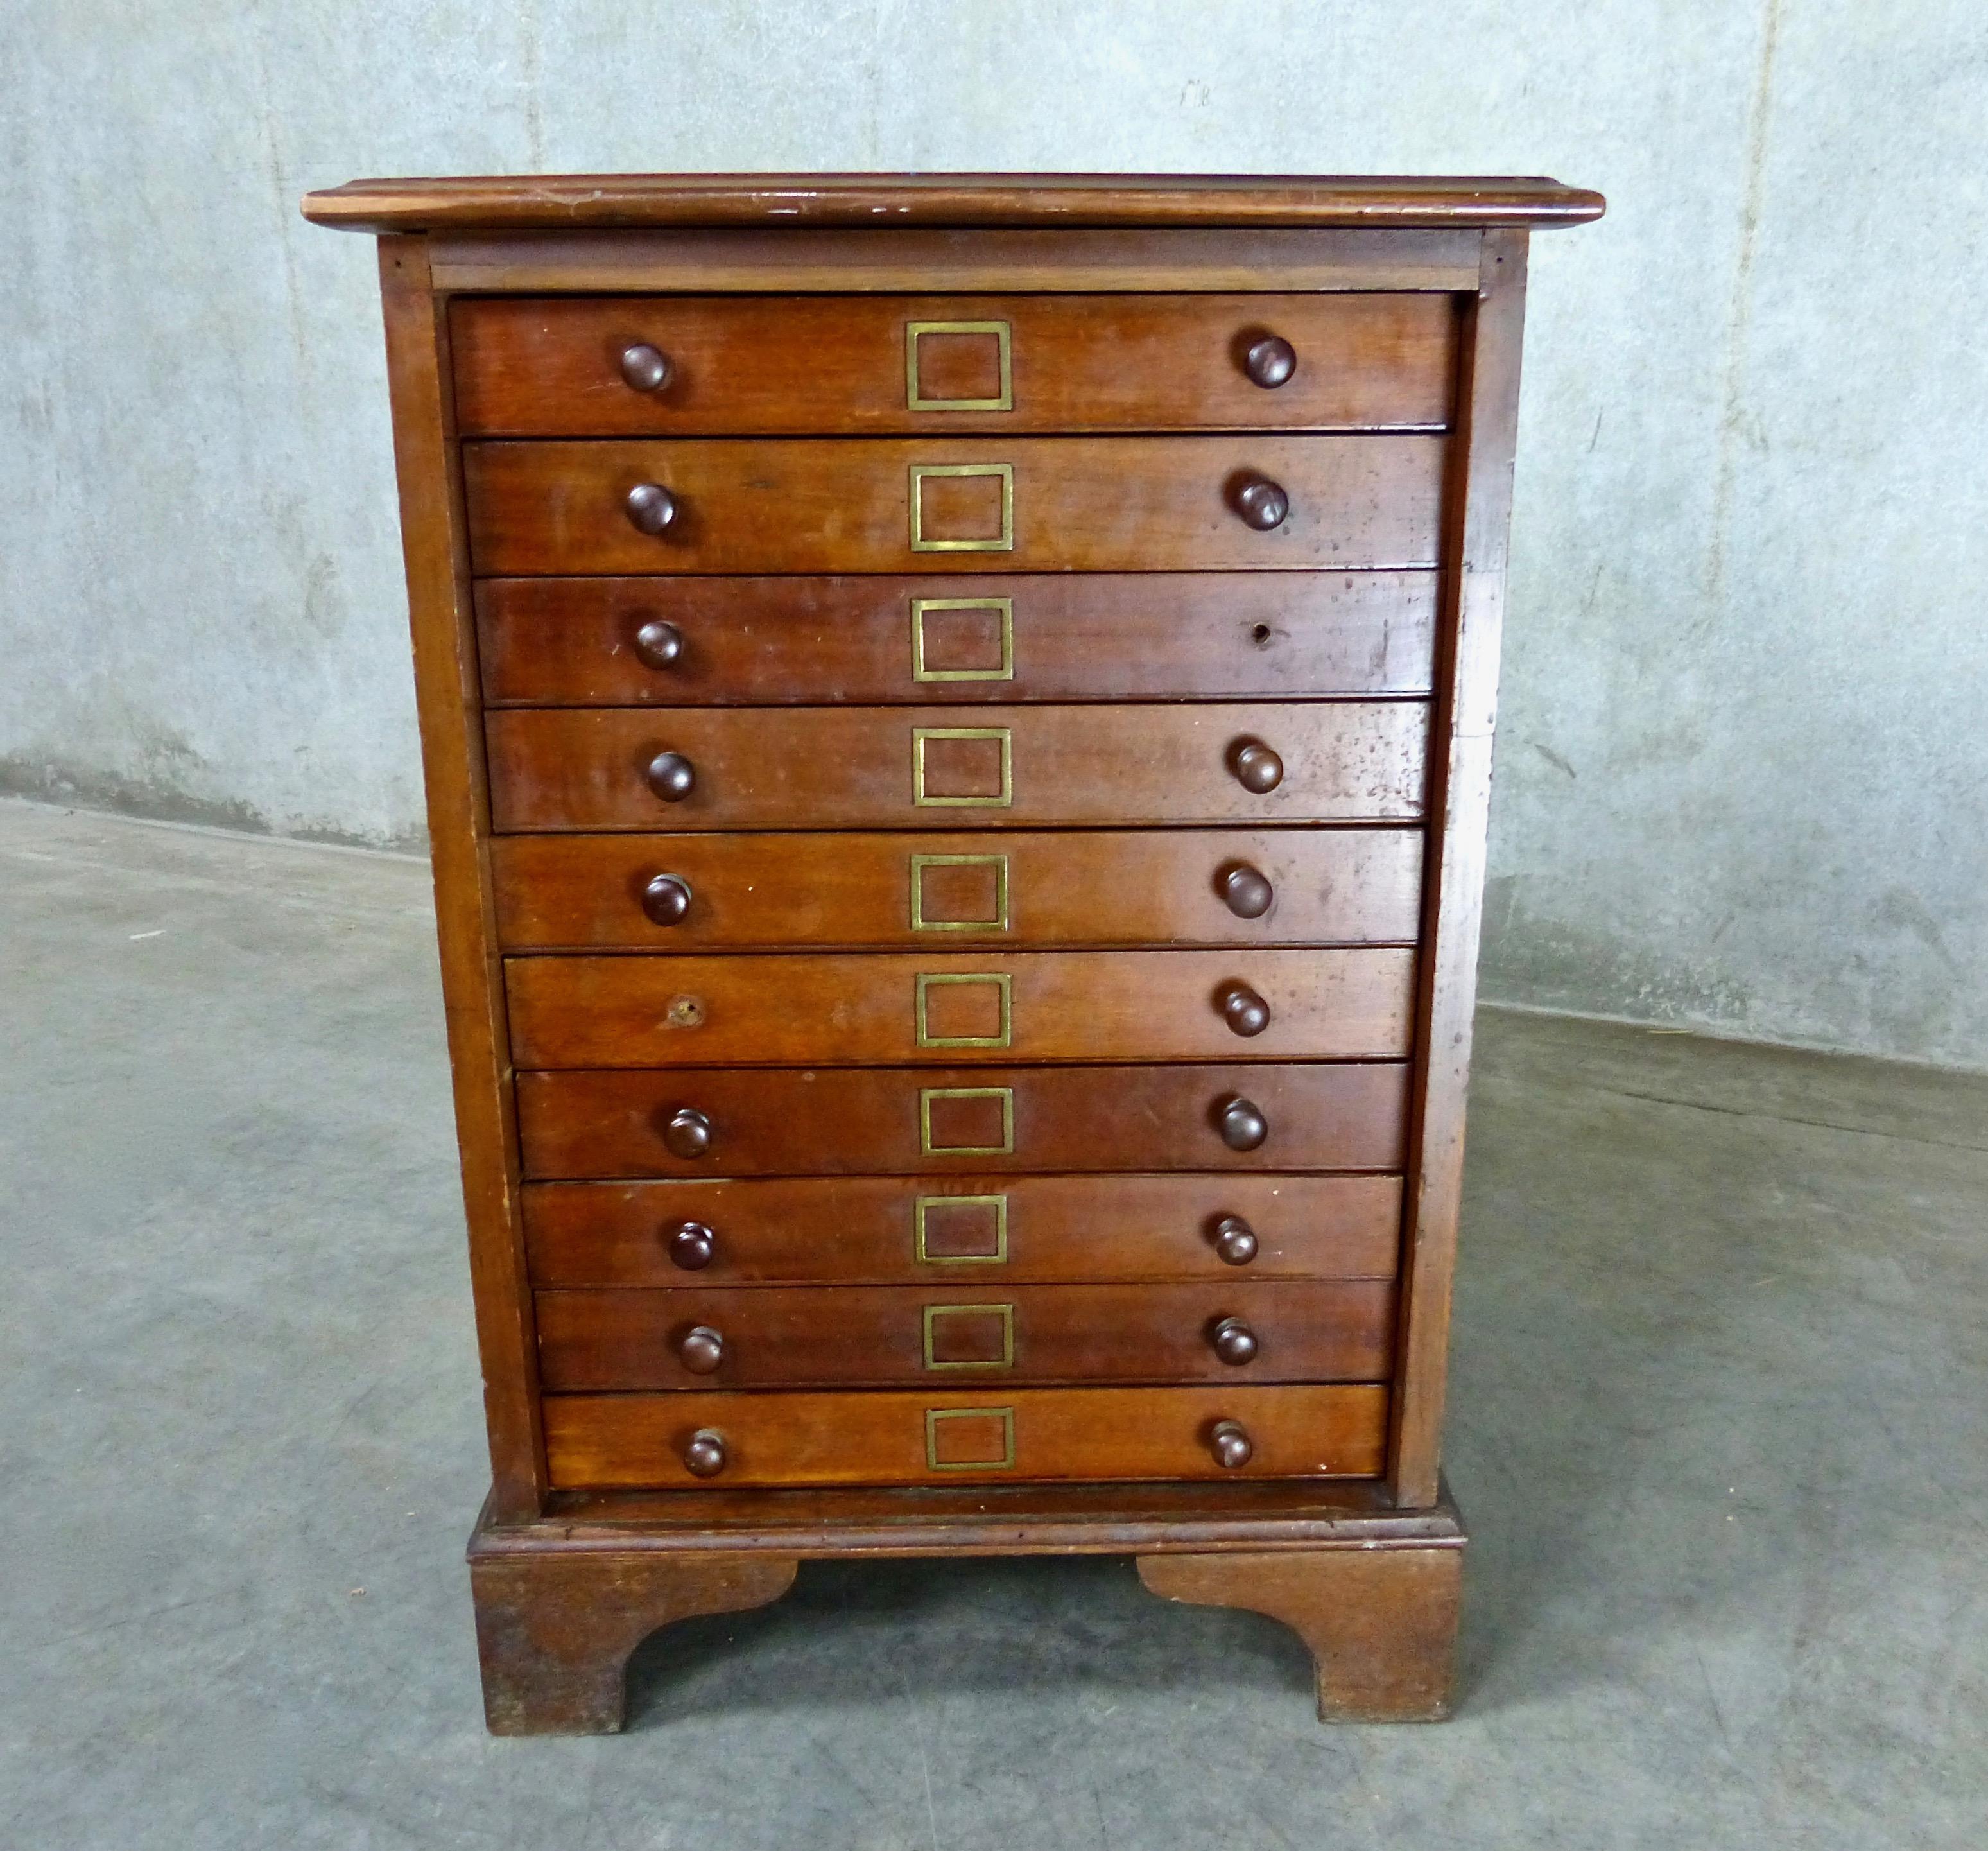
(1718, 1424)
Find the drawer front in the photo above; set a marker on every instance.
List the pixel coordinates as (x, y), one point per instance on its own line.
(976, 1233)
(942, 891)
(1029, 504)
(895, 1437)
(922, 1121)
(879, 363)
(887, 1008)
(883, 1336)
(761, 641)
(899, 767)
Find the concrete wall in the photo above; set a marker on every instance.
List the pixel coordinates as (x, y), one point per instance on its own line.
(1743, 777)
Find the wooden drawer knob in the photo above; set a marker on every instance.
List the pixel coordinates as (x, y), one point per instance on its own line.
(1229, 1443)
(688, 1134)
(658, 644)
(1270, 361)
(1235, 1240)
(692, 1245)
(1246, 1012)
(651, 507)
(1256, 767)
(703, 1349)
(671, 776)
(667, 898)
(1262, 504)
(1234, 1342)
(1243, 1126)
(1246, 892)
(704, 1455)
(647, 369)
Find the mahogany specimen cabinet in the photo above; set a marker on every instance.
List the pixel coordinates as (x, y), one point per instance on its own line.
(958, 713)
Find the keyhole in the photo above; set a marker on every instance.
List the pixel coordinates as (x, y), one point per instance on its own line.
(685, 1012)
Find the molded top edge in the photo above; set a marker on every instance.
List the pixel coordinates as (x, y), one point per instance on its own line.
(604, 201)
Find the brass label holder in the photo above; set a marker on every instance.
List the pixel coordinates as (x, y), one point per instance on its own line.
(934, 1415)
(1003, 607)
(998, 1203)
(1004, 1094)
(922, 472)
(997, 862)
(929, 980)
(1005, 1312)
(915, 398)
(920, 734)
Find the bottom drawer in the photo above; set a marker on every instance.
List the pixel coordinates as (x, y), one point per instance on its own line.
(602, 1441)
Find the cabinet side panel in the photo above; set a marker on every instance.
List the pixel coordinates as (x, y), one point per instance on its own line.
(1477, 522)
(446, 686)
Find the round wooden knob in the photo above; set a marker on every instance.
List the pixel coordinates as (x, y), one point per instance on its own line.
(657, 643)
(1243, 1126)
(688, 1134)
(667, 898)
(652, 507)
(1229, 1444)
(693, 1244)
(1270, 361)
(1256, 767)
(703, 1349)
(1235, 1240)
(647, 369)
(1246, 892)
(1262, 505)
(1234, 1342)
(671, 776)
(704, 1455)
(1246, 1012)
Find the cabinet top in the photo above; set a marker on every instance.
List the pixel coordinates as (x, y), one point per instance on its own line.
(599, 201)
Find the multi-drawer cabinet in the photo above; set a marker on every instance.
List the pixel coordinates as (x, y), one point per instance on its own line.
(957, 717)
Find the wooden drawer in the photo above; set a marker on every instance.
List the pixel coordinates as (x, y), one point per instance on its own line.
(980, 1230)
(1027, 504)
(1097, 887)
(907, 767)
(888, 1008)
(539, 366)
(908, 1122)
(886, 1336)
(753, 641)
(886, 1437)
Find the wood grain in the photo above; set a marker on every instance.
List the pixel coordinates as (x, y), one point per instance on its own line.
(854, 1230)
(877, 1436)
(800, 365)
(756, 641)
(799, 1122)
(578, 201)
(892, 1008)
(1082, 504)
(447, 703)
(853, 1336)
(1061, 887)
(856, 767)
(1480, 528)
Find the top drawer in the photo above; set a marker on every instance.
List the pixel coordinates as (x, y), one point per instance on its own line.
(644, 366)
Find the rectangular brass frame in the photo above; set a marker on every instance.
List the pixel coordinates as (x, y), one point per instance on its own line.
(1006, 1314)
(1005, 544)
(915, 401)
(1004, 1094)
(934, 1415)
(999, 978)
(1006, 607)
(1005, 735)
(999, 923)
(998, 1257)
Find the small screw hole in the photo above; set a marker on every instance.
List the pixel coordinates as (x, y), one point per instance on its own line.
(1259, 634)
